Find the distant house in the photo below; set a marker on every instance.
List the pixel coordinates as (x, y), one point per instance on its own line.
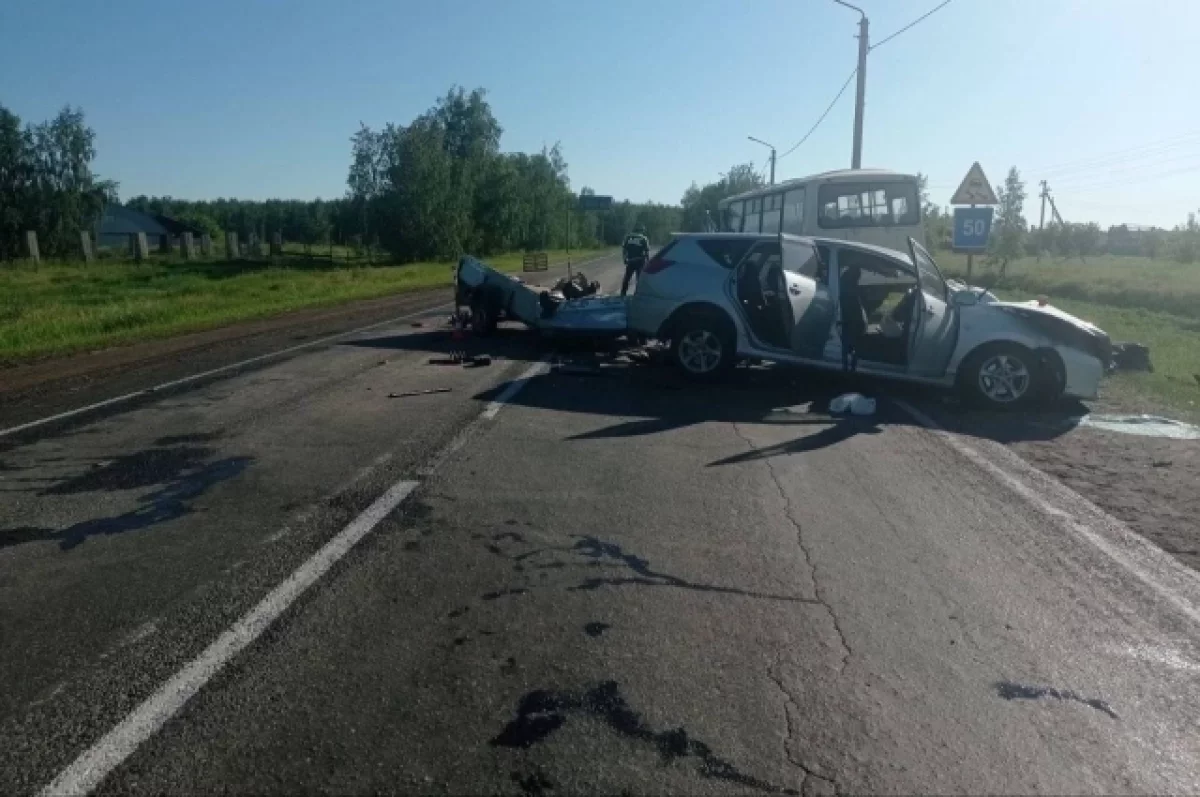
(1128, 239)
(118, 223)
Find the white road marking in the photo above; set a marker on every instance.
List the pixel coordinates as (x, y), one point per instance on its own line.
(96, 763)
(234, 366)
(1167, 657)
(514, 387)
(1176, 584)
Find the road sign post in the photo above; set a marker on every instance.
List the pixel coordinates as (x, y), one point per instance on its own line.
(973, 225)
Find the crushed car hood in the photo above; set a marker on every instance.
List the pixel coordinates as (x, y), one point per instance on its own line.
(1033, 309)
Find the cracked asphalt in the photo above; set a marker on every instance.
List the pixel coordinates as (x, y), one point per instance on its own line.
(620, 585)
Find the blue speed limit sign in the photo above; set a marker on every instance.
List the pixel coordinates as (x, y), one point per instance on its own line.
(972, 226)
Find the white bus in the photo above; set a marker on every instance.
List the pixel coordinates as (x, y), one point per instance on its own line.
(872, 206)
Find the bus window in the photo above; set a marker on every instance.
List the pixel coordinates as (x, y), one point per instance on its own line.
(771, 209)
(793, 211)
(859, 205)
(733, 217)
(753, 215)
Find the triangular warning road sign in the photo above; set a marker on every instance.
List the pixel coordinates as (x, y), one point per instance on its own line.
(975, 189)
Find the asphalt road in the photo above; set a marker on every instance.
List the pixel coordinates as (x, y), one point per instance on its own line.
(594, 580)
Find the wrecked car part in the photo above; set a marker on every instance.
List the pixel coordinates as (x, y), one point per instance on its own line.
(427, 392)
(1131, 357)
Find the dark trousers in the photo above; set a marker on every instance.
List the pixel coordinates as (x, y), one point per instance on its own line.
(631, 268)
(850, 337)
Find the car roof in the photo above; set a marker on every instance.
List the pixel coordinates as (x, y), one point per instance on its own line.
(874, 249)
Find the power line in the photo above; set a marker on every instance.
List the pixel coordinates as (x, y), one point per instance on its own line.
(1141, 150)
(1131, 180)
(812, 129)
(924, 16)
(1116, 171)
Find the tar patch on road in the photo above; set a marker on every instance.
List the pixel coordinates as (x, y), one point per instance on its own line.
(181, 472)
(1014, 691)
(540, 713)
(595, 629)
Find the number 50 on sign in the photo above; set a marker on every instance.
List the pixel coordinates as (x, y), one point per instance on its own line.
(972, 226)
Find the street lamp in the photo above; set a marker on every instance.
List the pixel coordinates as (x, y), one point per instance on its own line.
(770, 147)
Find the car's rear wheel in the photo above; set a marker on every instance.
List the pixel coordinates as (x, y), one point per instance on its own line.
(703, 346)
(1001, 376)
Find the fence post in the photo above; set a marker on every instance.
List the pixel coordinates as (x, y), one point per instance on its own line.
(276, 243)
(187, 246)
(141, 249)
(231, 246)
(206, 244)
(85, 245)
(31, 247)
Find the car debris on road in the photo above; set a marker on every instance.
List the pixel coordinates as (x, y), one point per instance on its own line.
(429, 391)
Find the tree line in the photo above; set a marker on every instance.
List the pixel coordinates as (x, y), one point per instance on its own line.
(47, 184)
(434, 188)
(440, 186)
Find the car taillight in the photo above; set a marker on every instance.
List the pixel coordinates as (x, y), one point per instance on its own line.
(657, 264)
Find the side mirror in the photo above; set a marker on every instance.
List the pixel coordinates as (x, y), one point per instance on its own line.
(966, 298)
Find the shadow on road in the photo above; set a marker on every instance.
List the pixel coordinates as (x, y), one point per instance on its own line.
(653, 399)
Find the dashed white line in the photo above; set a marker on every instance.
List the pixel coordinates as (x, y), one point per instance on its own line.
(62, 416)
(1174, 583)
(514, 387)
(95, 764)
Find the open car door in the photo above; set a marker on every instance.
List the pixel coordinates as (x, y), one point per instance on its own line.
(806, 282)
(933, 332)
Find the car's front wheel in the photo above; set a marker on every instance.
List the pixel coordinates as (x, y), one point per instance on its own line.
(703, 346)
(1001, 376)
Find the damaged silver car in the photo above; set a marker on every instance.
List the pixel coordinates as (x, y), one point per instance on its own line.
(719, 298)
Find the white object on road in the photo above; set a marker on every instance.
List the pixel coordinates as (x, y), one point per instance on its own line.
(1147, 425)
(853, 403)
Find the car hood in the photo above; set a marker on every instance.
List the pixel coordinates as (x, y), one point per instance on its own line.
(1032, 309)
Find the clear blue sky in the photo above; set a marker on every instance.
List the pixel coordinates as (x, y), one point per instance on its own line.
(259, 99)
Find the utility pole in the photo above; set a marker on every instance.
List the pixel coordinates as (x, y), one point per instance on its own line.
(860, 95)
(1042, 223)
(770, 147)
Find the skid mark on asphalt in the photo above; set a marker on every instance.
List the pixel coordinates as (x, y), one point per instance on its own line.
(1010, 690)
(600, 553)
(133, 471)
(165, 504)
(542, 712)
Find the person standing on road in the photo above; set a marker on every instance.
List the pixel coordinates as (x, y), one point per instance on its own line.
(636, 251)
(854, 324)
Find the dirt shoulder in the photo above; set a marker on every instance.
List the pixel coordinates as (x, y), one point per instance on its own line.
(1149, 483)
(44, 388)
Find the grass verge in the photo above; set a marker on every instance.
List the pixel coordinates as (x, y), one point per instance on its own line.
(1159, 285)
(61, 308)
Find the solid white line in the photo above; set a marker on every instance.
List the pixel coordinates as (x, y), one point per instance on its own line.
(514, 387)
(95, 764)
(1137, 555)
(234, 366)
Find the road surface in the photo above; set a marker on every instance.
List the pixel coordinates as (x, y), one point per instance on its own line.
(581, 580)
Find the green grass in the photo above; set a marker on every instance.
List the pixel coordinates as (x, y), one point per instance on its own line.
(1159, 285)
(61, 308)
